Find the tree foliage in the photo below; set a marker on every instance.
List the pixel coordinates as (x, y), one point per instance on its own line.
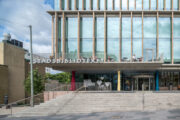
(39, 82)
(61, 77)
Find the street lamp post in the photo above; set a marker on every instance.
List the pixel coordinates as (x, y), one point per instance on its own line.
(31, 64)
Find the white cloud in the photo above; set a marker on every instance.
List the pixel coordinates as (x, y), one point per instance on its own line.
(20, 14)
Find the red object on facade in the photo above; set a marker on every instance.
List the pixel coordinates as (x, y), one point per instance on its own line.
(73, 85)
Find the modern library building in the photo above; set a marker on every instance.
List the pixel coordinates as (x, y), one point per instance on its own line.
(131, 44)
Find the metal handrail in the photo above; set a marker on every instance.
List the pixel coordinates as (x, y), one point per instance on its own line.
(10, 104)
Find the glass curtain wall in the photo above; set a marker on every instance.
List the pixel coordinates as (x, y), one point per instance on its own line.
(146, 4)
(56, 5)
(86, 42)
(101, 4)
(71, 4)
(165, 38)
(131, 4)
(112, 38)
(94, 4)
(100, 37)
(116, 4)
(71, 38)
(168, 4)
(160, 4)
(138, 4)
(79, 3)
(109, 4)
(124, 4)
(87, 4)
(175, 4)
(126, 38)
(149, 41)
(176, 40)
(137, 37)
(153, 5)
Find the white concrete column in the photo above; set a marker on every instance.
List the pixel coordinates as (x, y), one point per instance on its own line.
(172, 42)
(52, 35)
(56, 35)
(105, 37)
(79, 30)
(157, 36)
(64, 36)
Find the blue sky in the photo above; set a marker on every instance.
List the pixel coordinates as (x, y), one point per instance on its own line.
(16, 15)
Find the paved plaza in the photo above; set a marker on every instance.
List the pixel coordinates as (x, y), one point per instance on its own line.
(156, 115)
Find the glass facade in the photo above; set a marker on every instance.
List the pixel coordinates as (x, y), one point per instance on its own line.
(161, 4)
(109, 4)
(124, 4)
(176, 40)
(86, 42)
(146, 4)
(116, 3)
(175, 4)
(56, 5)
(126, 38)
(153, 5)
(138, 4)
(149, 41)
(131, 4)
(94, 4)
(137, 36)
(71, 38)
(79, 2)
(99, 37)
(165, 38)
(168, 4)
(101, 4)
(87, 4)
(113, 39)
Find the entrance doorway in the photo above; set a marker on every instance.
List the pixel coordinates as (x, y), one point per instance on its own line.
(144, 83)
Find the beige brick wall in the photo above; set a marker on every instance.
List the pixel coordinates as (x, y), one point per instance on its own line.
(3, 82)
(14, 58)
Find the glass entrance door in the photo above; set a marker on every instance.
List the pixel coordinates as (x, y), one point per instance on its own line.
(144, 84)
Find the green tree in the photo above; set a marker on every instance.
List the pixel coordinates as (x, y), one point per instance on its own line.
(61, 77)
(39, 82)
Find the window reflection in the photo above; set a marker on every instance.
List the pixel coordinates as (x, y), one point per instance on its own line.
(176, 36)
(116, 4)
(161, 4)
(112, 38)
(168, 4)
(86, 43)
(109, 4)
(138, 4)
(71, 37)
(126, 38)
(100, 38)
(137, 36)
(131, 4)
(94, 4)
(124, 4)
(164, 38)
(153, 5)
(146, 4)
(175, 4)
(101, 3)
(149, 42)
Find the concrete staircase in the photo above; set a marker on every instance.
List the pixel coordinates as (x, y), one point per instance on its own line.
(88, 102)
